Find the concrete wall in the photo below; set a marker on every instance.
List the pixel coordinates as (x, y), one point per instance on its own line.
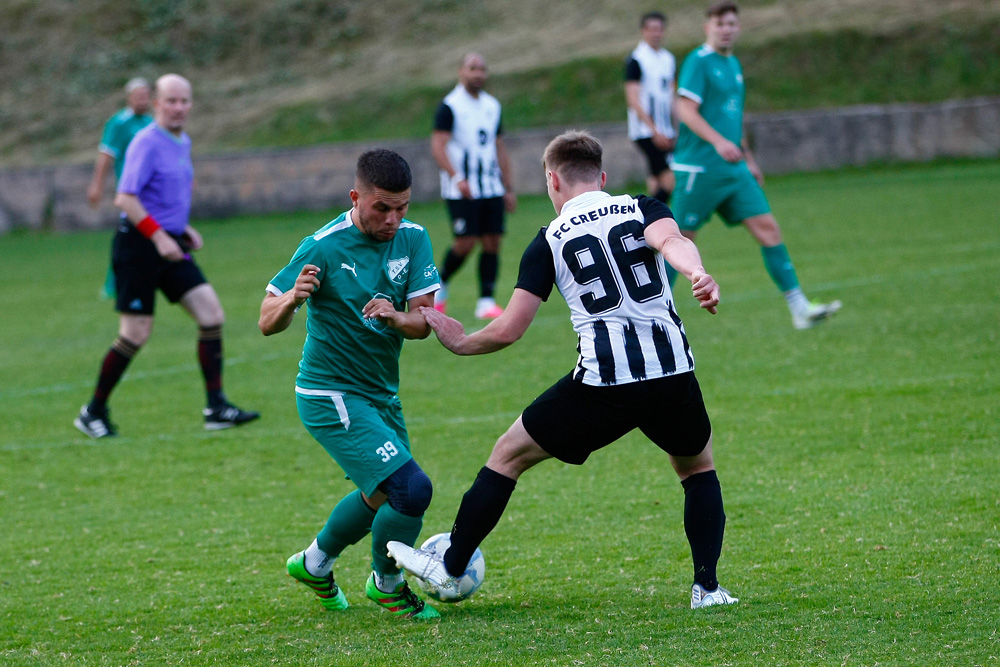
(320, 177)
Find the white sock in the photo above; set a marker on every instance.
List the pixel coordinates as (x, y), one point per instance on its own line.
(387, 582)
(441, 294)
(317, 562)
(797, 301)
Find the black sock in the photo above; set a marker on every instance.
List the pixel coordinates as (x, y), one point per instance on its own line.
(489, 267)
(112, 368)
(704, 524)
(662, 194)
(210, 359)
(452, 263)
(482, 506)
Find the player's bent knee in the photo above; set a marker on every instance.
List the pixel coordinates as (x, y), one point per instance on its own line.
(409, 490)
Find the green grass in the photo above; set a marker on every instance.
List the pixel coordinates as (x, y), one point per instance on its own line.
(858, 461)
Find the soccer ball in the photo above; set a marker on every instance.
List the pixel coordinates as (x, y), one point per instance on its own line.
(471, 579)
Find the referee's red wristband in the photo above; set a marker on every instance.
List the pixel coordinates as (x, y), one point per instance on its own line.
(147, 226)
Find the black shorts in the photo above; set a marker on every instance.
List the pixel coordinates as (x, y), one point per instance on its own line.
(476, 217)
(658, 159)
(571, 420)
(140, 271)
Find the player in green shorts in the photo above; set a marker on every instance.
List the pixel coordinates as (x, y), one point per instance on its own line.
(118, 133)
(715, 171)
(363, 277)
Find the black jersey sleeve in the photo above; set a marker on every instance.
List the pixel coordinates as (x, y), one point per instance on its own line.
(444, 118)
(632, 70)
(538, 272)
(653, 210)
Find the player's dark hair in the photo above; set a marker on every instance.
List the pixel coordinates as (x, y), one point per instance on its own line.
(722, 8)
(385, 169)
(575, 155)
(650, 16)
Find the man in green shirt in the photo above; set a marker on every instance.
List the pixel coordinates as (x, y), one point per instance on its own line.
(715, 170)
(118, 133)
(364, 277)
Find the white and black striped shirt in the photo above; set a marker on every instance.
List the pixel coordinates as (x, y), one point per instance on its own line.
(654, 70)
(615, 285)
(474, 124)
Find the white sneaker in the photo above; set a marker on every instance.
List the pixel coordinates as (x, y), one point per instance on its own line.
(487, 309)
(813, 314)
(702, 598)
(426, 566)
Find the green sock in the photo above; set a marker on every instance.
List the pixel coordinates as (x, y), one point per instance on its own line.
(779, 266)
(350, 521)
(391, 525)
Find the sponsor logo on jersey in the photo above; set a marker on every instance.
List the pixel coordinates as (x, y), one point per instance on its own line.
(398, 270)
(374, 323)
(431, 272)
(352, 269)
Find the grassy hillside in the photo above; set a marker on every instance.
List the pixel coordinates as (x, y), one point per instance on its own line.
(295, 72)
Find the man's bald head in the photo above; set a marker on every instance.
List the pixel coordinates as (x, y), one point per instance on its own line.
(172, 102)
(472, 73)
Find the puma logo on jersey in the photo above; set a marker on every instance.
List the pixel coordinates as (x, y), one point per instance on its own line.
(350, 268)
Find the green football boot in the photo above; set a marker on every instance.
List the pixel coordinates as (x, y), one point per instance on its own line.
(401, 602)
(330, 595)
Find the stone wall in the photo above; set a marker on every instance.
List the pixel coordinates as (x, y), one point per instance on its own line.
(321, 176)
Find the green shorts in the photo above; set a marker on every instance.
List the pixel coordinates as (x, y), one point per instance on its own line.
(368, 440)
(736, 196)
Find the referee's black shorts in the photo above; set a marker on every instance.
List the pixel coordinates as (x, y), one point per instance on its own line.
(571, 420)
(140, 271)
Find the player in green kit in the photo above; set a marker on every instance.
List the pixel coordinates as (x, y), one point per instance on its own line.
(363, 277)
(715, 170)
(118, 134)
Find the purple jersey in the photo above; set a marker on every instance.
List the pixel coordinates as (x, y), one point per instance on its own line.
(158, 170)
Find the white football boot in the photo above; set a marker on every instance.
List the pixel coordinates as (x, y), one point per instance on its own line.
(701, 598)
(813, 314)
(426, 566)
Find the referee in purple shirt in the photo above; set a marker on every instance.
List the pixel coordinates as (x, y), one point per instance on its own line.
(152, 252)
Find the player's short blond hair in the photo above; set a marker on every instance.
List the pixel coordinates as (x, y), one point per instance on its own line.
(575, 155)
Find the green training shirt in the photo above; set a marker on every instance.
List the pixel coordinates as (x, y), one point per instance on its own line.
(118, 133)
(344, 351)
(716, 83)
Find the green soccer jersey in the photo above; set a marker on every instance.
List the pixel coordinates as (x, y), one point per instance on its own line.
(118, 133)
(715, 82)
(344, 351)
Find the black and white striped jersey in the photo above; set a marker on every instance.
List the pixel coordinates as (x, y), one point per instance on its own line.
(654, 70)
(615, 285)
(474, 124)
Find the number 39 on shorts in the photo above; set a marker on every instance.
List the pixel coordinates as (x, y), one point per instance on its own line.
(387, 451)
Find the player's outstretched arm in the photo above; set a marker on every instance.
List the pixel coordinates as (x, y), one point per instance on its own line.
(277, 312)
(498, 334)
(683, 255)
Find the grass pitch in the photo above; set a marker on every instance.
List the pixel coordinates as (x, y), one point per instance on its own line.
(858, 461)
